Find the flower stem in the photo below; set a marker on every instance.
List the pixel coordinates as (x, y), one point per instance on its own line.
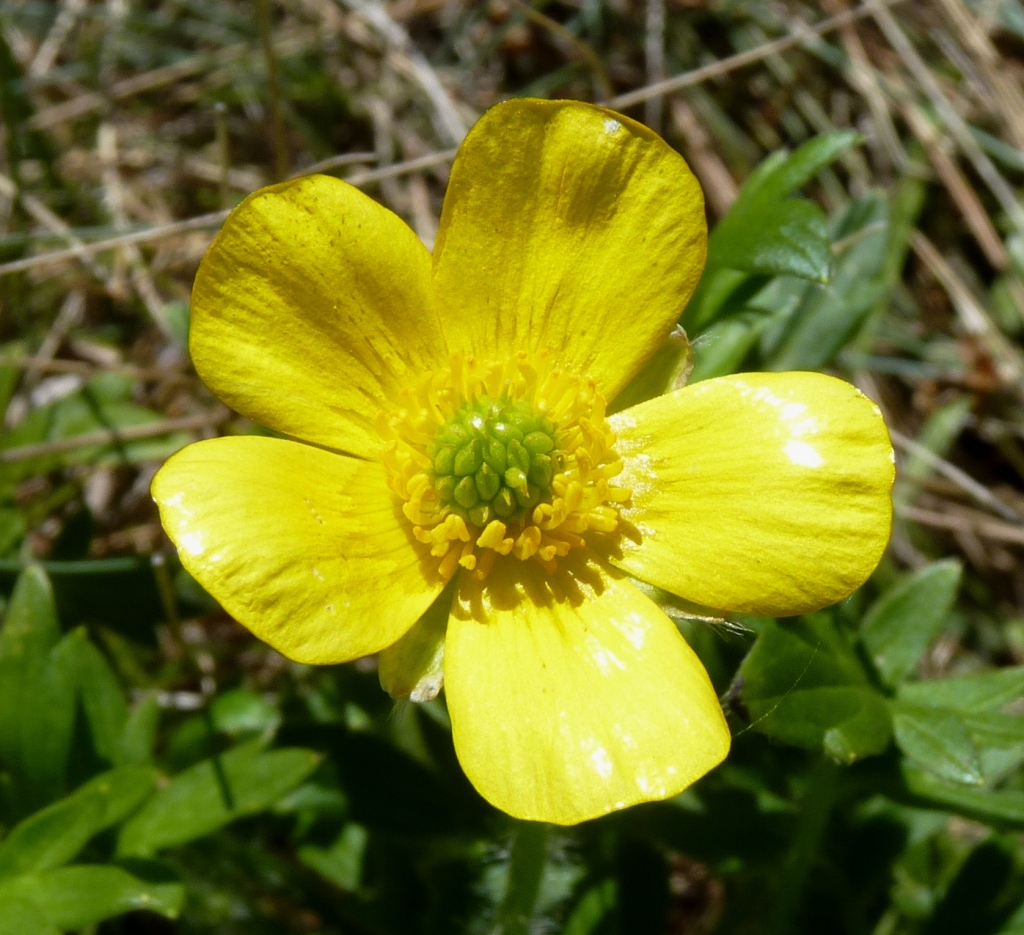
(525, 872)
(815, 811)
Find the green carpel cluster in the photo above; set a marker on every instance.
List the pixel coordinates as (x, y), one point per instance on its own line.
(494, 460)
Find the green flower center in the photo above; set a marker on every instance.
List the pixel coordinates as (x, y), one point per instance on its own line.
(494, 459)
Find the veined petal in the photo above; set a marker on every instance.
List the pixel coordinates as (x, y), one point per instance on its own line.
(307, 548)
(570, 227)
(572, 695)
(761, 492)
(311, 309)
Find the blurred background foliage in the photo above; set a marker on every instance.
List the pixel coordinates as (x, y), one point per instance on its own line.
(163, 772)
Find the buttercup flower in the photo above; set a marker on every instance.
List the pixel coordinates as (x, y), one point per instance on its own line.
(455, 473)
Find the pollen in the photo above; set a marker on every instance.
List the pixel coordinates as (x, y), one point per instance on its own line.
(510, 458)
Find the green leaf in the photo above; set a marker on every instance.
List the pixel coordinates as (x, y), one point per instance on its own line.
(414, 666)
(781, 175)
(904, 621)
(135, 745)
(54, 835)
(861, 725)
(767, 233)
(994, 807)
(12, 529)
(799, 654)
(828, 316)
(802, 684)
(776, 238)
(76, 897)
(999, 739)
(241, 711)
(723, 347)
(36, 695)
(981, 896)
(847, 722)
(669, 369)
(212, 793)
(938, 741)
(19, 917)
(48, 721)
(720, 293)
(342, 862)
(594, 906)
(106, 708)
(989, 691)
(10, 375)
(937, 435)
(30, 628)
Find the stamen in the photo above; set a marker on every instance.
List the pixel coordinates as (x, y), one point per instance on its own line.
(508, 458)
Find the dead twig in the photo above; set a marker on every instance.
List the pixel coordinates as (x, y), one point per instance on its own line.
(742, 59)
(987, 528)
(113, 437)
(213, 219)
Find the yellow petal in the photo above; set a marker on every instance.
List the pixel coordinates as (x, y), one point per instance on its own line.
(570, 227)
(762, 492)
(311, 310)
(573, 695)
(307, 548)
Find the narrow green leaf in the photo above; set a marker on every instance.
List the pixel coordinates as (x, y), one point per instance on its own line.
(594, 906)
(12, 528)
(76, 897)
(989, 691)
(106, 708)
(30, 628)
(33, 699)
(906, 620)
(135, 745)
(994, 807)
(778, 177)
(723, 347)
(54, 835)
(48, 722)
(720, 293)
(759, 182)
(212, 793)
(829, 315)
(10, 375)
(937, 435)
(938, 741)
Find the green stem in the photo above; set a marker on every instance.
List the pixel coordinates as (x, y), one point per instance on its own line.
(525, 872)
(815, 810)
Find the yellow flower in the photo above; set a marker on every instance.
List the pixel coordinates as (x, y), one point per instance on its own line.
(451, 427)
